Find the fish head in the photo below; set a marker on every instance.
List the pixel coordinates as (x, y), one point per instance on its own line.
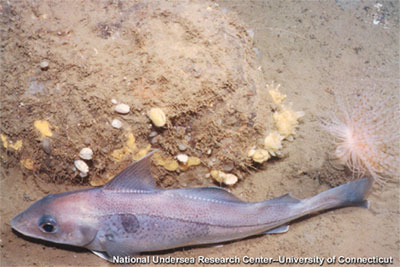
(61, 218)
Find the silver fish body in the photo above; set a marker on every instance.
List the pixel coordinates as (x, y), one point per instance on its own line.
(130, 215)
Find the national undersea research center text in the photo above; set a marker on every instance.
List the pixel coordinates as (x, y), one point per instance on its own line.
(283, 260)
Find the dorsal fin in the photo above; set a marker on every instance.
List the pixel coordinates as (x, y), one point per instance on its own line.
(136, 176)
(284, 199)
(211, 192)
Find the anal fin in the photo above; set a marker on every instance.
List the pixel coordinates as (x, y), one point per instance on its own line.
(362, 204)
(278, 230)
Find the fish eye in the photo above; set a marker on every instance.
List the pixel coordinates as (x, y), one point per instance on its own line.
(47, 224)
(47, 227)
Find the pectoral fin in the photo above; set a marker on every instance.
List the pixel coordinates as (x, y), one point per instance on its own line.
(116, 235)
(122, 248)
(103, 255)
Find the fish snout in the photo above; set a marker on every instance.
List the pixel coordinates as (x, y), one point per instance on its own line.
(18, 221)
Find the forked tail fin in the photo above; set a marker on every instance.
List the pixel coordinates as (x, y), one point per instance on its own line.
(350, 194)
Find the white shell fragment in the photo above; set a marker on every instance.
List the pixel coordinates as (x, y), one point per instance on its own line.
(251, 152)
(81, 166)
(259, 155)
(44, 65)
(86, 153)
(116, 123)
(225, 178)
(182, 158)
(182, 147)
(230, 179)
(157, 117)
(273, 143)
(114, 101)
(122, 108)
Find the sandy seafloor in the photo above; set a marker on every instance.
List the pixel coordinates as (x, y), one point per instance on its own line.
(310, 48)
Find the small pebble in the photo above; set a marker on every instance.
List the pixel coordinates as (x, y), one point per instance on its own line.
(182, 158)
(44, 65)
(81, 166)
(86, 153)
(228, 166)
(114, 101)
(182, 147)
(196, 73)
(152, 134)
(279, 154)
(251, 33)
(180, 130)
(122, 108)
(116, 123)
(154, 140)
(46, 145)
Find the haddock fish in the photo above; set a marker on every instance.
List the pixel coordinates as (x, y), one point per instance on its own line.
(130, 214)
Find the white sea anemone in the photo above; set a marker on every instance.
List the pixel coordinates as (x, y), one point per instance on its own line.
(366, 130)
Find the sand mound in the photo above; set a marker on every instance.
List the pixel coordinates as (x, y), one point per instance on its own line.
(63, 66)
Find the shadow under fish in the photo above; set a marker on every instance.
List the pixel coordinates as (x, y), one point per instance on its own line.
(130, 214)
